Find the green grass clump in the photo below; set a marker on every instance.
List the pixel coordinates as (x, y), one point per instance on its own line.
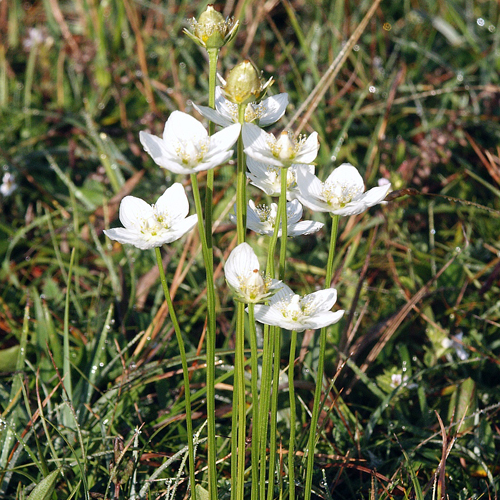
(91, 387)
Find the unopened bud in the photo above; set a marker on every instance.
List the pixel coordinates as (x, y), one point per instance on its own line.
(244, 84)
(211, 30)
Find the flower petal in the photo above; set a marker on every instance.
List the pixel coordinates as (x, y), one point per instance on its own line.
(241, 263)
(224, 139)
(304, 227)
(310, 191)
(309, 150)
(322, 319)
(132, 211)
(347, 175)
(213, 115)
(274, 108)
(174, 201)
(180, 126)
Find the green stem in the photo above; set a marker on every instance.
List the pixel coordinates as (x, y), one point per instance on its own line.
(241, 182)
(213, 55)
(255, 403)
(283, 221)
(185, 372)
(210, 344)
(311, 444)
(291, 394)
(240, 407)
(331, 253)
(276, 336)
(265, 401)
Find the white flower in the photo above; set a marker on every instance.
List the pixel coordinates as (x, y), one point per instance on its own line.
(290, 311)
(186, 146)
(282, 152)
(265, 113)
(8, 185)
(341, 194)
(456, 343)
(148, 226)
(262, 219)
(268, 177)
(397, 379)
(243, 276)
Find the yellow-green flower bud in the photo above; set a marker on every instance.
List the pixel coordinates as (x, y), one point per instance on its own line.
(211, 31)
(244, 84)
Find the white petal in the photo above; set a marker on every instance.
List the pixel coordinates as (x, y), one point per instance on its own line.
(174, 201)
(181, 126)
(134, 210)
(323, 319)
(161, 152)
(254, 138)
(179, 229)
(224, 139)
(210, 162)
(346, 174)
(212, 115)
(310, 191)
(272, 316)
(304, 227)
(293, 211)
(284, 294)
(241, 263)
(128, 236)
(274, 109)
(322, 300)
(309, 150)
(376, 195)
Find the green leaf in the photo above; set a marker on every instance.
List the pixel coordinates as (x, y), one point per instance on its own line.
(43, 490)
(8, 359)
(201, 493)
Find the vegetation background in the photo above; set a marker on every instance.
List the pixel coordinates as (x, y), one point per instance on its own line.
(416, 102)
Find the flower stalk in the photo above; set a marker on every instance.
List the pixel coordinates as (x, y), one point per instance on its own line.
(311, 443)
(210, 344)
(185, 372)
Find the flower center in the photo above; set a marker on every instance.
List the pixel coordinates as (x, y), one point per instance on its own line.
(191, 152)
(286, 147)
(338, 195)
(296, 309)
(155, 224)
(253, 286)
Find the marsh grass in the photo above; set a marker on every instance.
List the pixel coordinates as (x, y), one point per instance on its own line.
(91, 383)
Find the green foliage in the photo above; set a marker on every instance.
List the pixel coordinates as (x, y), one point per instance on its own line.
(91, 391)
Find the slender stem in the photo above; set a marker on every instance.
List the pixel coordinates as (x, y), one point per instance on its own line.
(283, 220)
(240, 407)
(255, 403)
(265, 400)
(213, 55)
(276, 336)
(185, 372)
(311, 444)
(241, 183)
(331, 253)
(210, 345)
(291, 395)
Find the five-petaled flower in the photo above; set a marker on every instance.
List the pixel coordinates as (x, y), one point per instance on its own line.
(262, 219)
(282, 152)
(265, 113)
(244, 278)
(343, 192)
(186, 146)
(148, 226)
(268, 177)
(293, 312)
